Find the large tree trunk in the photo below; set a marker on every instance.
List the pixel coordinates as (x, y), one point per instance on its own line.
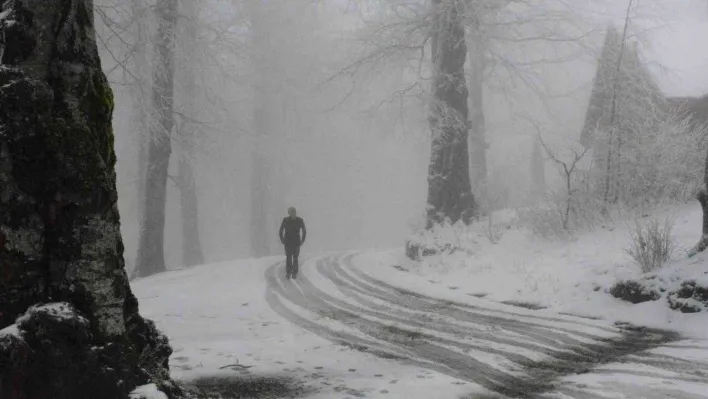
(61, 252)
(151, 254)
(261, 190)
(449, 190)
(192, 254)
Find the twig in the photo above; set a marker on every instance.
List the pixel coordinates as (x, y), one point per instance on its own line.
(235, 365)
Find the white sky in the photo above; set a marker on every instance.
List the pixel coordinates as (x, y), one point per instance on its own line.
(680, 47)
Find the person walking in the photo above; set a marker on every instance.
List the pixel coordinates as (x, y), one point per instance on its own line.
(291, 239)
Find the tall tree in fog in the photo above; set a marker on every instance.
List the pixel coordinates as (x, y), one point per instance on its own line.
(80, 334)
(151, 257)
(261, 188)
(449, 190)
(538, 171)
(625, 103)
(187, 134)
(477, 137)
(139, 92)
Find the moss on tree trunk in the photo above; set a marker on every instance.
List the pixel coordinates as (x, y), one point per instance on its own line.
(60, 236)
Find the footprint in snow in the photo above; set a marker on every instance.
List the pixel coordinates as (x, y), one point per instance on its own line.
(182, 359)
(393, 381)
(352, 370)
(319, 368)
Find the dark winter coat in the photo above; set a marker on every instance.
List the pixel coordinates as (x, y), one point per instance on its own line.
(290, 231)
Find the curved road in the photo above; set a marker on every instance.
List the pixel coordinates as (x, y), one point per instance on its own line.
(510, 354)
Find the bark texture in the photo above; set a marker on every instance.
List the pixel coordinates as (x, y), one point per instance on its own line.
(70, 323)
(151, 253)
(449, 190)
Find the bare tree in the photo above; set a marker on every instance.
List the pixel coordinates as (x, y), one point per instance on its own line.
(151, 257)
(399, 33)
(449, 190)
(568, 168)
(261, 175)
(187, 134)
(139, 90)
(538, 172)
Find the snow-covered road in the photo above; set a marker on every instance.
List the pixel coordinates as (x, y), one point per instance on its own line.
(502, 351)
(347, 328)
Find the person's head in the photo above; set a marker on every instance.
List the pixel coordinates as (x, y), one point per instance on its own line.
(292, 212)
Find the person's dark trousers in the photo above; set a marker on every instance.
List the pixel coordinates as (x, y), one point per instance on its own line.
(292, 252)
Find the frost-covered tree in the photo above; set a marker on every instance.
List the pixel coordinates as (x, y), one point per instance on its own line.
(70, 326)
(151, 256)
(449, 189)
(625, 104)
(261, 187)
(188, 132)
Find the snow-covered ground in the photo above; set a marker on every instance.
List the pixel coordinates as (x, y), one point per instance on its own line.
(349, 327)
(218, 315)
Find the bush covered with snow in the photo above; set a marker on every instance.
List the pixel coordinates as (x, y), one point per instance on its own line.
(441, 239)
(634, 292)
(652, 244)
(690, 297)
(683, 287)
(447, 239)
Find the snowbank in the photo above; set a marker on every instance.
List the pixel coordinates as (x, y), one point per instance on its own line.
(563, 276)
(148, 391)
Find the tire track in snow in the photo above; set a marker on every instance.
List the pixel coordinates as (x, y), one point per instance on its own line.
(390, 322)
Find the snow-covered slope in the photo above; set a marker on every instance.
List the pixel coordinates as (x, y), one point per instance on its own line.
(568, 276)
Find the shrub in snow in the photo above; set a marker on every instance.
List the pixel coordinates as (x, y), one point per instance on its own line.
(691, 297)
(634, 292)
(652, 245)
(442, 239)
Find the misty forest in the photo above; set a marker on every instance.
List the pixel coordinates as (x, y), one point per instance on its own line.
(353, 198)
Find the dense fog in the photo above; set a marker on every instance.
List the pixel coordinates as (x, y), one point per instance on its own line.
(350, 150)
